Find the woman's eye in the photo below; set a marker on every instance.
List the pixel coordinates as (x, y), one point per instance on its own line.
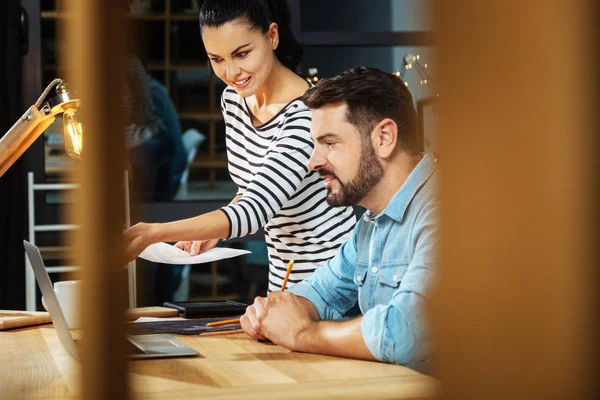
(216, 60)
(242, 54)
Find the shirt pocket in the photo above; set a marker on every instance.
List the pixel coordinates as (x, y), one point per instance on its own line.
(390, 278)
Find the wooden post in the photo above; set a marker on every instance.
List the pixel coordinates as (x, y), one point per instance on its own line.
(513, 311)
(96, 32)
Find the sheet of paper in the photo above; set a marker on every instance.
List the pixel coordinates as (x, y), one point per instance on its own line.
(168, 254)
(154, 319)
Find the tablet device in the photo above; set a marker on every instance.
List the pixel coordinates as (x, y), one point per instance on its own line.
(207, 309)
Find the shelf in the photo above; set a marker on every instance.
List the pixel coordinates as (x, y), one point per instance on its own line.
(168, 58)
(147, 17)
(192, 65)
(181, 66)
(136, 17)
(200, 115)
(405, 38)
(57, 252)
(185, 17)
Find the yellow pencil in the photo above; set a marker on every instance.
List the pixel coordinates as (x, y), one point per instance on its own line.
(224, 322)
(237, 320)
(287, 275)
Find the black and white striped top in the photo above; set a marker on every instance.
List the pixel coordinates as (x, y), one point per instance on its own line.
(269, 163)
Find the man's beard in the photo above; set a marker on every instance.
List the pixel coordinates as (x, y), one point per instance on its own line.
(369, 174)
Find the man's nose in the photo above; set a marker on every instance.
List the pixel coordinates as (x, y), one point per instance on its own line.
(317, 160)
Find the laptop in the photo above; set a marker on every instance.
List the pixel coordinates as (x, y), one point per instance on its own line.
(139, 346)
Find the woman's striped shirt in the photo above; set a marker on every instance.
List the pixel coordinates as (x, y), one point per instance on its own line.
(269, 164)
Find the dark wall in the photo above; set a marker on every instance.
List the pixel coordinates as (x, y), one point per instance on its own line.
(346, 16)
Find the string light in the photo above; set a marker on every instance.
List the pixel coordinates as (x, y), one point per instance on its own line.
(411, 61)
(312, 75)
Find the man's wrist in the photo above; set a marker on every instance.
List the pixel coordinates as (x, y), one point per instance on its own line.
(307, 337)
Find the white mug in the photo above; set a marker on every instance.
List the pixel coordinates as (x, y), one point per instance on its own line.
(68, 294)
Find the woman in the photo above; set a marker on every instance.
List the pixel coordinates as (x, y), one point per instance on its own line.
(251, 48)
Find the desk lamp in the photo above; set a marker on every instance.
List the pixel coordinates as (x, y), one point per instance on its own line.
(37, 119)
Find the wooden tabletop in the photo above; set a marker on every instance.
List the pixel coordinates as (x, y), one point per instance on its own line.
(33, 364)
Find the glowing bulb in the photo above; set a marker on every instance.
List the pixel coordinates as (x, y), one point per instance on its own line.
(73, 134)
(315, 79)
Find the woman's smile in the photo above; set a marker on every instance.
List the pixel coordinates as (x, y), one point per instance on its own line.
(242, 83)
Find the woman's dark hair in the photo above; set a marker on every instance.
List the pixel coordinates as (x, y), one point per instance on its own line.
(371, 95)
(259, 14)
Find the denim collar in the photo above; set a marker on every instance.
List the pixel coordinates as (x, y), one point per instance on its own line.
(396, 208)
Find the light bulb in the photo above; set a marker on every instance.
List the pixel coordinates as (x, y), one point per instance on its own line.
(73, 134)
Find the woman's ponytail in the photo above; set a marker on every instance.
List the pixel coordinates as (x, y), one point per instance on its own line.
(289, 51)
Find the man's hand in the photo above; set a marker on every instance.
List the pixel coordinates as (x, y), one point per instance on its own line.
(250, 320)
(282, 317)
(137, 238)
(196, 246)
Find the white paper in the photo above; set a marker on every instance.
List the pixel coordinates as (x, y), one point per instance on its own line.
(168, 254)
(154, 319)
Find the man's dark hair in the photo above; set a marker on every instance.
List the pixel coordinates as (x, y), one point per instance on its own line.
(259, 14)
(371, 95)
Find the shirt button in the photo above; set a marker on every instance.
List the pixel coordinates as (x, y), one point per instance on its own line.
(387, 353)
(395, 278)
(359, 278)
(374, 270)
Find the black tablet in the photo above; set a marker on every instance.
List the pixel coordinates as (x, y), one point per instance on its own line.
(207, 309)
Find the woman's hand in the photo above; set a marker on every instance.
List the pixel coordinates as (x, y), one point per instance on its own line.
(137, 238)
(196, 246)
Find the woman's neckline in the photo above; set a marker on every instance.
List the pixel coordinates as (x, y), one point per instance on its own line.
(284, 108)
(262, 125)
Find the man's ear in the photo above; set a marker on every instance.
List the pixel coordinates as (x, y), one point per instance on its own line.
(273, 33)
(385, 138)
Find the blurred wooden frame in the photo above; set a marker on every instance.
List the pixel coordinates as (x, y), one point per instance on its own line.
(515, 306)
(95, 30)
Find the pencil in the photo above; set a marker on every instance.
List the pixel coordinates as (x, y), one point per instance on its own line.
(237, 320)
(224, 322)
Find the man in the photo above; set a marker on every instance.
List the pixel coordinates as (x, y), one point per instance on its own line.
(366, 149)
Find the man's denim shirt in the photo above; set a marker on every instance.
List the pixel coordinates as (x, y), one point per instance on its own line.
(388, 266)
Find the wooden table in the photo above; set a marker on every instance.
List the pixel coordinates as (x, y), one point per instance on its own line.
(33, 364)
